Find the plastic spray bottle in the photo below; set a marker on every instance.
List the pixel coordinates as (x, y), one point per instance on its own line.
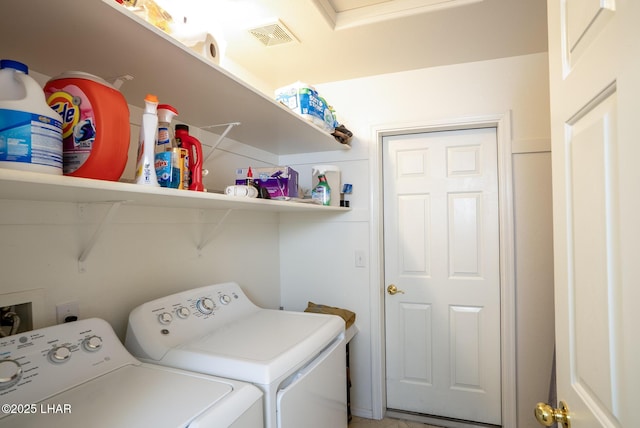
(194, 149)
(322, 192)
(145, 167)
(167, 160)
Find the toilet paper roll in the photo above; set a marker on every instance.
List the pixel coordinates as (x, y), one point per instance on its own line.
(203, 44)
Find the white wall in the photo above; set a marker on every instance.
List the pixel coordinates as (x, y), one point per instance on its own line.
(534, 273)
(145, 253)
(318, 257)
(290, 259)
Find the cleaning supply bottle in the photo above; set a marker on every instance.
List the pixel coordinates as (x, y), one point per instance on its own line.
(249, 177)
(30, 131)
(145, 168)
(333, 176)
(194, 149)
(322, 191)
(95, 125)
(263, 193)
(166, 159)
(184, 167)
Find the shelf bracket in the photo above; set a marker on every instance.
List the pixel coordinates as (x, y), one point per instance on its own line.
(206, 238)
(220, 138)
(106, 221)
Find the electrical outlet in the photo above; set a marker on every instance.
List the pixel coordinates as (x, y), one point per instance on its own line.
(67, 312)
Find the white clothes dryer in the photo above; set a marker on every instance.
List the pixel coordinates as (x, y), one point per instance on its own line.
(79, 374)
(297, 359)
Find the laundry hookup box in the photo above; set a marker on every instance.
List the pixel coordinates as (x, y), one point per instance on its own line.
(280, 181)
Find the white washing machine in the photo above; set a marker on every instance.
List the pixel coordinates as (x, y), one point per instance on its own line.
(297, 359)
(80, 375)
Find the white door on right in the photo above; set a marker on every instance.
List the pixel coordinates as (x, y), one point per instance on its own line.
(594, 59)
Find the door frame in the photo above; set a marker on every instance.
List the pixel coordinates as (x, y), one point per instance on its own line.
(502, 123)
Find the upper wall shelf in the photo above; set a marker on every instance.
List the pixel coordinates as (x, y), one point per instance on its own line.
(102, 38)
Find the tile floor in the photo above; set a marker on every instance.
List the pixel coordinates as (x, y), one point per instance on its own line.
(357, 422)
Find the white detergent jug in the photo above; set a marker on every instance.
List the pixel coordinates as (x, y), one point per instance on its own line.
(332, 172)
(30, 131)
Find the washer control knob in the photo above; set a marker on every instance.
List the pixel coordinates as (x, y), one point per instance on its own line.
(225, 299)
(205, 305)
(60, 354)
(10, 373)
(183, 312)
(92, 344)
(165, 318)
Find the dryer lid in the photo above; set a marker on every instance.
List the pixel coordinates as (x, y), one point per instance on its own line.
(263, 347)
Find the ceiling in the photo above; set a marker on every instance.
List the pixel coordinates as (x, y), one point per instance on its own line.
(343, 39)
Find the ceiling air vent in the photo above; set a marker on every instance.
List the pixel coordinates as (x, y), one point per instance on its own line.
(275, 33)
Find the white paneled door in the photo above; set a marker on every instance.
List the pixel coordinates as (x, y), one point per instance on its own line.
(594, 58)
(441, 233)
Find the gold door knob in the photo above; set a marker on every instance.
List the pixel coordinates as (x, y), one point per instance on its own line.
(392, 289)
(547, 415)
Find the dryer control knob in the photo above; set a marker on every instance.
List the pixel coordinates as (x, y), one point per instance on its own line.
(165, 318)
(10, 373)
(92, 344)
(225, 299)
(183, 312)
(60, 354)
(206, 305)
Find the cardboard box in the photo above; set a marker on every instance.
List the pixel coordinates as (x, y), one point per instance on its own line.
(280, 181)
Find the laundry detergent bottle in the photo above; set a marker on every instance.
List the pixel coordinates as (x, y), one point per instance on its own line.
(194, 149)
(96, 129)
(30, 131)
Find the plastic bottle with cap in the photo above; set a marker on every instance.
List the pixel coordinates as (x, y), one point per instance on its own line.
(194, 149)
(166, 137)
(145, 168)
(322, 191)
(95, 125)
(333, 176)
(30, 131)
(167, 159)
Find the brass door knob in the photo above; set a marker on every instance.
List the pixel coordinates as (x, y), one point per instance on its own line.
(392, 289)
(547, 415)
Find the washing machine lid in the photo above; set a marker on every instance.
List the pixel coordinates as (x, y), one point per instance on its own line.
(132, 396)
(260, 348)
